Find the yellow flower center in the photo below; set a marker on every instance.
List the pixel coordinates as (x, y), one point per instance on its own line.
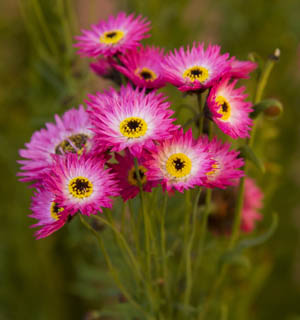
(145, 74)
(179, 165)
(111, 37)
(225, 109)
(132, 176)
(215, 167)
(133, 127)
(73, 144)
(55, 210)
(80, 187)
(196, 73)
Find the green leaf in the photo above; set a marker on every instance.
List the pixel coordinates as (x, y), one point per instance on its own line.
(232, 255)
(247, 153)
(271, 108)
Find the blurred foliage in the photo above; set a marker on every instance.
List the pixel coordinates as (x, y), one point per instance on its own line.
(40, 74)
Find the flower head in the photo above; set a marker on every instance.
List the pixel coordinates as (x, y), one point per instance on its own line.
(179, 163)
(143, 67)
(116, 35)
(102, 67)
(81, 184)
(252, 204)
(241, 69)
(195, 68)
(226, 166)
(70, 134)
(50, 216)
(130, 119)
(229, 109)
(126, 175)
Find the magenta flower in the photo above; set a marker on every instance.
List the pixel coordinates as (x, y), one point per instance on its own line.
(226, 164)
(195, 68)
(253, 202)
(81, 184)
(116, 35)
(241, 69)
(179, 163)
(229, 109)
(50, 216)
(130, 119)
(127, 178)
(70, 134)
(144, 67)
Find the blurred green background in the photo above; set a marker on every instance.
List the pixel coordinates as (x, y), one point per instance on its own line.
(40, 75)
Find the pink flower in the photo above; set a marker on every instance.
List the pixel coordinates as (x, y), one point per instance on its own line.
(253, 202)
(116, 35)
(229, 109)
(102, 67)
(130, 119)
(70, 134)
(50, 216)
(179, 163)
(143, 67)
(81, 184)
(127, 178)
(226, 164)
(195, 68)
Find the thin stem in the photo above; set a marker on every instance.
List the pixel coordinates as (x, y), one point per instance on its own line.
(188, 290)
(110, 266)
(200, 101)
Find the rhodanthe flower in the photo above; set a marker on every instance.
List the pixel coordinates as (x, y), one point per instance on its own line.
(116, 35)
(226, 164)
(126, 175)
(229, 109)
(70, 134)
(253, 202)
(130, 119)
(81, 184)
(179, 163)
(143, 67)
(241, 69)
(195, 68)
(50, 216)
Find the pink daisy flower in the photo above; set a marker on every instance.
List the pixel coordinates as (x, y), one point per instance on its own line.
(195, 68)
(71, 133)
(130, 119)
(50, 216)
(127, 177)
(179, 163)
(253, 202)
(226, 164)
(241, 69)
(143, 67)
(116, 35)
(229, 109)
(81, 184)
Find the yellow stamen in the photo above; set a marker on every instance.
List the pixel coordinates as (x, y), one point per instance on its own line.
(225, 108)
(80, 187)
(55, 210)
(145, 74)
(133, 127)
(178, 165)
(74, 143)
(215, 167)
(196, 73)
(132, 176)
(112, 36)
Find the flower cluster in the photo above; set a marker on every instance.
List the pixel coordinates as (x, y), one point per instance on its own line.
(126, 140)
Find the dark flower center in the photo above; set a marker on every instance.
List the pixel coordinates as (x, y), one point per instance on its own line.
(111, 34)
(146, 75)
(178, 164)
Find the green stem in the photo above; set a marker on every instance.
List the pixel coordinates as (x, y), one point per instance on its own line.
(189, 277)
(44, 27)
(111, 268)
